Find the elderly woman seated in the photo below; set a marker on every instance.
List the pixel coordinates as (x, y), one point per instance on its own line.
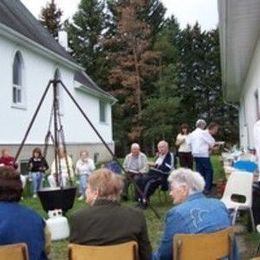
(194, 213)
(106, 222)
(19, 224)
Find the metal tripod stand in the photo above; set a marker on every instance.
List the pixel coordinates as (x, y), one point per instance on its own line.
(55, 83)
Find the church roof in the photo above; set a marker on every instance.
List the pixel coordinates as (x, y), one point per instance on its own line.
(17, 17)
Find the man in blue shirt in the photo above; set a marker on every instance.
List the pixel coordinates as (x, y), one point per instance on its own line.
(194, 213)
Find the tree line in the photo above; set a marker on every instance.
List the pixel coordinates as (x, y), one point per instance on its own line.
(161, 75)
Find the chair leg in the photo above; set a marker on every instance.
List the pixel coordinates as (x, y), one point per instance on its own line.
(234, 217)
(132, 191)
(257, 250)
(165, 196)
(159, 194)
(252, 219)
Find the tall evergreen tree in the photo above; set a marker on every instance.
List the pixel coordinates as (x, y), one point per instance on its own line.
(199, 79)
(162, 105)
(85, 34)
(154, 15)
(50, 18)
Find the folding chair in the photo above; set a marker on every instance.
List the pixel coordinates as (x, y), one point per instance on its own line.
(203, 246)
(126, 251)
(239, 184)
(14, 252)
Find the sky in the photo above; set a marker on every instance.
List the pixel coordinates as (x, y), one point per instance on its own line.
(186, 11)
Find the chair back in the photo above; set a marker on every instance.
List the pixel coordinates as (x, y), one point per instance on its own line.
(114, 167)
(203, 246)
(245, 165)
(126, 251)
(14, 252)
(239, 183)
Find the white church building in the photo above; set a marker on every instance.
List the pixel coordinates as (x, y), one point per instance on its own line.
(29, 58)
(239, 22)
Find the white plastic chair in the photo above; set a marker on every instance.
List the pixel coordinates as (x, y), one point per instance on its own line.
(239, 183)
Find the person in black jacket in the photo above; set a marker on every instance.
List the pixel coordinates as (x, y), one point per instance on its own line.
(37, 166)
(157, 175)
(106, 221)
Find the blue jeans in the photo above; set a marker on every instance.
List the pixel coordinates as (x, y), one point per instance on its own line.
(204, 167)
(83, 179)
(36, 181)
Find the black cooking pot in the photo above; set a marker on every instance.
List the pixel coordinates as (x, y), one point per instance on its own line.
(57, 198)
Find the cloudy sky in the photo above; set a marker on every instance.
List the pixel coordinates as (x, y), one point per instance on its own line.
(186, 11)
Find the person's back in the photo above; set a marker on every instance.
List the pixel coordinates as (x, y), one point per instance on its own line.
(106, 222)
(199, 147)
(200, 214)
(19, 224)
(194, 213)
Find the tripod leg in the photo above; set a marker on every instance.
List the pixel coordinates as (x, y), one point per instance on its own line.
(32, 121)
(103, 141)
(86, 117)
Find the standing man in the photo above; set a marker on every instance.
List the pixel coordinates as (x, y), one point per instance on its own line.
(135, 165)
(202, 142)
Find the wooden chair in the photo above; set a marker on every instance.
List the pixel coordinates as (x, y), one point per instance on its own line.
(203, 246)
(126, 251)
(14, 252)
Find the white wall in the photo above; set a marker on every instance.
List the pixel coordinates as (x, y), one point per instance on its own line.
(38, 71)
(248, 100)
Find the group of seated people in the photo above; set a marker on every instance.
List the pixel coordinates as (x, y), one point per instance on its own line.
(37, 167)
(147, 176)
(106, 221)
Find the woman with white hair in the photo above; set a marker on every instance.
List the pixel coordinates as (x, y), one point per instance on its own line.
(194, 213)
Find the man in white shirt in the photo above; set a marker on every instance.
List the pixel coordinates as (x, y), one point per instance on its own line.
(135, 165)
(202, 142)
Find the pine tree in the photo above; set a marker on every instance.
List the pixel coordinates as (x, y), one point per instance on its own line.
(50, 18)
(162, 104)
(85, 35)
(199, 80)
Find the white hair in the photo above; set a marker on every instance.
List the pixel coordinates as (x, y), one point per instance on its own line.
(135, 145)
(201, 123)
(163, 142)
(191, 179)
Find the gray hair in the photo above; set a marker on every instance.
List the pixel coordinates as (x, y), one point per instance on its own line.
(201, 123)
(163, 142)
(135, 145)
(183, 176)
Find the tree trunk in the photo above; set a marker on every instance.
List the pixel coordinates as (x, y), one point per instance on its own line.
(138, 87)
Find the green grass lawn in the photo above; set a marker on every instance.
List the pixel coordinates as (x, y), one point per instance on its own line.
(161, 203)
